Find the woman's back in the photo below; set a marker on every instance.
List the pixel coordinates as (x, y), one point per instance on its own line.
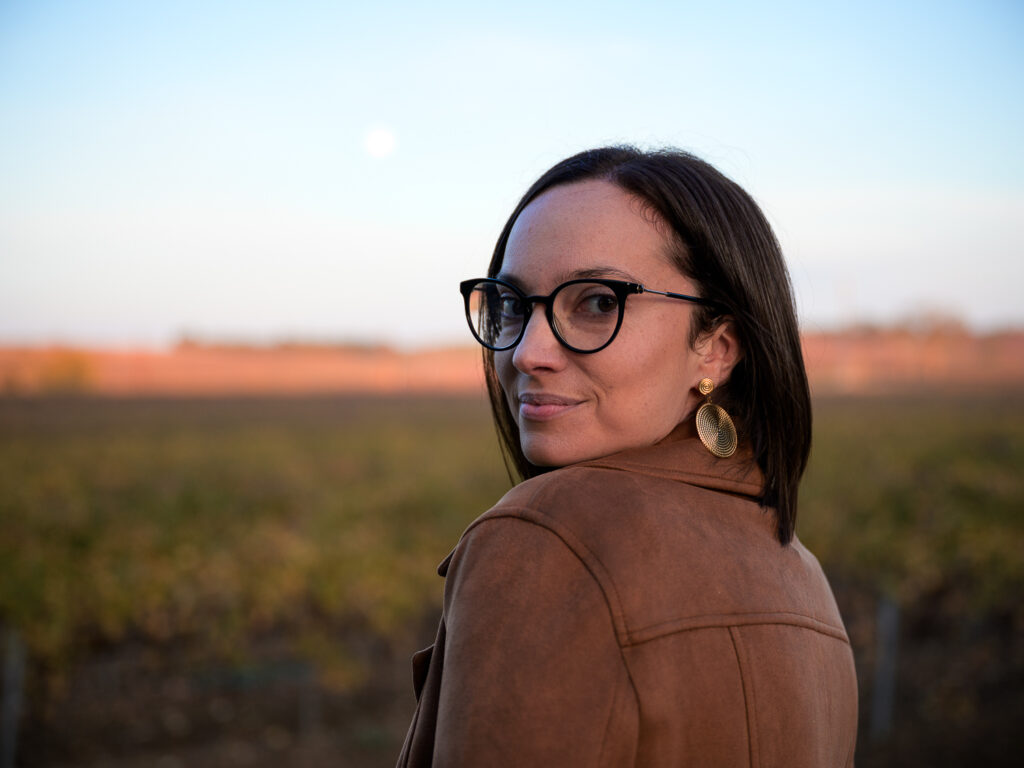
(638, 610)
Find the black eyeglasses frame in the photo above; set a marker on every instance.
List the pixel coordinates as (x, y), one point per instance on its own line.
(621, 288)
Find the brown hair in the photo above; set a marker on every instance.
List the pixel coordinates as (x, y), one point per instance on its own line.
(725, 245)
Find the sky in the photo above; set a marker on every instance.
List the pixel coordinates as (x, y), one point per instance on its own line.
(329, 171)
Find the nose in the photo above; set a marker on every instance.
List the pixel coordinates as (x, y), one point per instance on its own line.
(538, 349)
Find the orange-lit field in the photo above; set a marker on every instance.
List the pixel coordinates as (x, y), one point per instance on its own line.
(241, 581)
(854, 361)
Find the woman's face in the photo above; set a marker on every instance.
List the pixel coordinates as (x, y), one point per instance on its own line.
(572, 407)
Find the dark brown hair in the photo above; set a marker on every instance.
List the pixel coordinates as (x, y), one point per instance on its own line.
(725, 245)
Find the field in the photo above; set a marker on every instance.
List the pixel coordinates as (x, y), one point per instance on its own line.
(242, 581)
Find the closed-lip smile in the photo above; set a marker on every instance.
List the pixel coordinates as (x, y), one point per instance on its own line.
(540, 406)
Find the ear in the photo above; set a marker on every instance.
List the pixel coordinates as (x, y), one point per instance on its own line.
(719, 351)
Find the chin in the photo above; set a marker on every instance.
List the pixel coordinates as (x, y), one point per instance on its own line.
(542, 453)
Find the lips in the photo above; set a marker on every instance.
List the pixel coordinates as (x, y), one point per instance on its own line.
(540, 406)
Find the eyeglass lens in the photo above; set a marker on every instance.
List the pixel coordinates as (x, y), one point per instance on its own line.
(584, 315)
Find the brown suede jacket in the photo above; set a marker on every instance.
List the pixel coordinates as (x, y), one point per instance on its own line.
(637, 610)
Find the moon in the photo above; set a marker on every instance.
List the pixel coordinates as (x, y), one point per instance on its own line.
(380, 142)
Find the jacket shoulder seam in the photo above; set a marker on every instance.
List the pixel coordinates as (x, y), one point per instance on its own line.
(592, 565)
(580, 550)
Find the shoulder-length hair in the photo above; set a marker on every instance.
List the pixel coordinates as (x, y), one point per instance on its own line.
(724, 244)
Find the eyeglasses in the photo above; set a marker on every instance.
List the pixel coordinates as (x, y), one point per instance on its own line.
(584, 315)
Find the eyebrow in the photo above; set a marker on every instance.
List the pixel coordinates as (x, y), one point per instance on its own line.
(576, 274)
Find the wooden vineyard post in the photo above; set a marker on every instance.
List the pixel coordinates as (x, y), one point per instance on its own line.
(887, 630)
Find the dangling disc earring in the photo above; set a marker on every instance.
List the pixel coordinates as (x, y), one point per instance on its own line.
(714, 427)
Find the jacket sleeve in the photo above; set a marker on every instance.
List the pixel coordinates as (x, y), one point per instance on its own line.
(533, 674)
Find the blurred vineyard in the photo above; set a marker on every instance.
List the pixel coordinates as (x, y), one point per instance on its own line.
(242, 581)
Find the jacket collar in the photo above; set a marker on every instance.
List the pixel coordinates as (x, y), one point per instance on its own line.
(681, 456)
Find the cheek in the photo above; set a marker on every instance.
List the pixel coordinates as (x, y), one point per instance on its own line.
(505, 371)
(649, 390)
(651, 396)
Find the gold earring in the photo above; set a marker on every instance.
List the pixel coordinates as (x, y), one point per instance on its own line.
(714, 426)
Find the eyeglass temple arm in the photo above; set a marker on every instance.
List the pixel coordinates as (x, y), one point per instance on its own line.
(682, 296)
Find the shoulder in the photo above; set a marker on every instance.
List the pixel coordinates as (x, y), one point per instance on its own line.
(579, 510)
(568, 503)
(528, 639)
(605, 514)
(532, 527)
(661, 549)
(531, 548)
(579, 500)
(515, 570)
(581, 527)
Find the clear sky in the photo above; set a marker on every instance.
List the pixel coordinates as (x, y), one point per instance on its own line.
(331, 170)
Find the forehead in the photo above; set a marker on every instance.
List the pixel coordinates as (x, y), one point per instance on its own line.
(585, 227)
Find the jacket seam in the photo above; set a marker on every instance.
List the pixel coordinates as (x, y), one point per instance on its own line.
(612, 709)
(778, 618)
(749, 700)
(517, 513)
(590, 562)
(636, 700)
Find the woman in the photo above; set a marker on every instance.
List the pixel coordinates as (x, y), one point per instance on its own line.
(640, 599)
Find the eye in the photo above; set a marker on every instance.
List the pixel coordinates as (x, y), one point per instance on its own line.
(598, 301)
(605, 303)
(512, 305)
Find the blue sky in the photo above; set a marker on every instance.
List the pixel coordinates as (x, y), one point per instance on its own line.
(202, 167)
